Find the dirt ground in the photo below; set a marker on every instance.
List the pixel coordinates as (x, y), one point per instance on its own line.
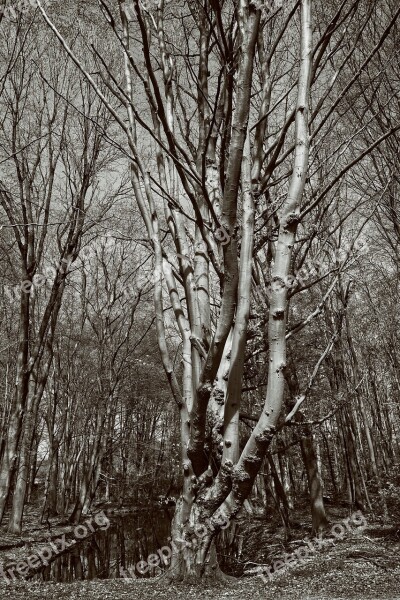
(365, 566)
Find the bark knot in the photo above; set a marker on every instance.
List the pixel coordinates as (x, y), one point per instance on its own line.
(265, 436)
(240, 473)
(278, 314)
(227, 466)
(292, 219)
(218, 396)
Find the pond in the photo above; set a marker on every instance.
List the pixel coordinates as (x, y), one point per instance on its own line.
(119, 550)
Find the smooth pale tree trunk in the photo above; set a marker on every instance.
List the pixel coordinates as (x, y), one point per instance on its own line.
(197, 556)
(215, 409)
(204, 498)
(194, 553)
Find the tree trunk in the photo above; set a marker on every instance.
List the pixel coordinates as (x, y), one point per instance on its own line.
(318, 514)
(14, 428)
(29, 423)
(194, 554)
(282, 501)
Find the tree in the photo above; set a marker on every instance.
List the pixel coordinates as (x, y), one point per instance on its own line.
(232, 180)
(47, 182)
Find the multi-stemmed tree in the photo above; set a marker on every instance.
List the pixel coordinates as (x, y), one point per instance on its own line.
(232, 116)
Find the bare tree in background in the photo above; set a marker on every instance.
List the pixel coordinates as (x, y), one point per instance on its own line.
(241, 105)
(47, 184)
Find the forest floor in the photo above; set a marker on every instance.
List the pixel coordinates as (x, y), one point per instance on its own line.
(364, 564)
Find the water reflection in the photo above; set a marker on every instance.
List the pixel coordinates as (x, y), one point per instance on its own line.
(130, 539)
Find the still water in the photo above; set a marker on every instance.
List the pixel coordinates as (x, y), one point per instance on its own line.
(110, 553)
